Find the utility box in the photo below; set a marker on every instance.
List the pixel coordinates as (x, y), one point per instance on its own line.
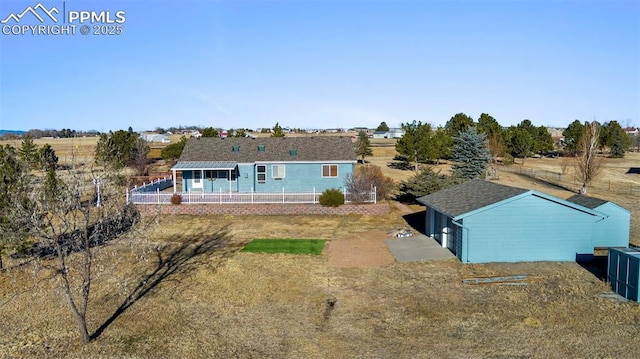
(623, 271)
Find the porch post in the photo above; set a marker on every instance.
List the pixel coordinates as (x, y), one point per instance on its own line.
(174, 180)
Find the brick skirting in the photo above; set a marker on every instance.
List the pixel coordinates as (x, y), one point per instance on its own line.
(265, 209)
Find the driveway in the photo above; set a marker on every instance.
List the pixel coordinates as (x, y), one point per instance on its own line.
(417, 248)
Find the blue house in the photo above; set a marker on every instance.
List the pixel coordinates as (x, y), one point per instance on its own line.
(482, 221)
(290, 164)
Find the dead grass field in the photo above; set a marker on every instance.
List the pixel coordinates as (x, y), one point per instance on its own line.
(243, 305)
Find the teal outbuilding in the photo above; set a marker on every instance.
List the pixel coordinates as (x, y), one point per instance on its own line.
(482, 221)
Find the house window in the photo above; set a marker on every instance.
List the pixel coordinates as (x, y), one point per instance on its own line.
(197, 176)
(277, 171)
(261, 172)
(329, 170)
(212, 175)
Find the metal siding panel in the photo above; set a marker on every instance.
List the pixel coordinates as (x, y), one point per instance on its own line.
(528, 229)
(632, 278)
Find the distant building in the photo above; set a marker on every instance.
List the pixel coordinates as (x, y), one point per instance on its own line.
(155, 137)
(392, 133)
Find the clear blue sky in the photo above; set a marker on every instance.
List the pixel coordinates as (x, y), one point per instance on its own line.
(325, 64)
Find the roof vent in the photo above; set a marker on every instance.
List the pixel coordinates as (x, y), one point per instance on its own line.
(293, 152)
(260, 148)
(235, 148)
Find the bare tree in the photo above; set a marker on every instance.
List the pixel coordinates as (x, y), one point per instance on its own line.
(587, 164)
(66, 223)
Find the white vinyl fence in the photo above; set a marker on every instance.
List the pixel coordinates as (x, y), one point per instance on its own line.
(158, 197)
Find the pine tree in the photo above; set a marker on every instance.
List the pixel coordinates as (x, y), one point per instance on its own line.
(470, 154)
(28, 152)
(209, 132)
(48, 158)
(382, 127)
(416, 145)
(277, 131)
(363, 146)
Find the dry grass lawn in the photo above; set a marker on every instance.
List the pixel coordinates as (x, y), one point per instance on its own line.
(227, 304)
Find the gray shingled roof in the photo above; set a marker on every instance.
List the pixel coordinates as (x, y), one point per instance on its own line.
(323, 148)
(586, 201)
(469, 196)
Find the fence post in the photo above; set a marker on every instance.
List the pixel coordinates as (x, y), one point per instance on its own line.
(314, 195)
(126, 195)
(282, 194)
(251, 194)
(375, 195)
(219, 195)
(158, 192)
(344, 194)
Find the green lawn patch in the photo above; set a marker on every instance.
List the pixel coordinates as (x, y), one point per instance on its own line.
(288, 246)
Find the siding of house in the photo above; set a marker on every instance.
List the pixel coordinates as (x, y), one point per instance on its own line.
(299, 177)
(613, 231)
(533, 229)
(303, 177)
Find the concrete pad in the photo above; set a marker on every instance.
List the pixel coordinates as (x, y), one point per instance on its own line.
(417, 248)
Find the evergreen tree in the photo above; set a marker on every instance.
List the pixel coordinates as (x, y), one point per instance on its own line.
(470, 153)
(174, 150)
(614, 137)
(14, 184)
(277, 131)
(458, 124)
(415, 145)
(572, 136)
(28, 153)
(209, 132)
(240, 133)
(520, 142)
(48, 158)
(363, 146)
(495, 134)
(116, 150)
(425, 182)
(542, 140)
(382, 127)
(442, 143)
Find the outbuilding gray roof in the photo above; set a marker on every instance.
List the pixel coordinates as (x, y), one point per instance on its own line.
(586, 201)
(271, 149)
(469, 196)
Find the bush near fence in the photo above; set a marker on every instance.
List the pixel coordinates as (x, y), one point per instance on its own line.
(265, 209)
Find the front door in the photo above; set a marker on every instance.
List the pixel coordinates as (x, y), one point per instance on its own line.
(197, 180)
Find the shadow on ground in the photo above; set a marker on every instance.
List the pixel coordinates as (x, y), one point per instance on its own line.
(187, 253)
(596, 264)
(416, 221)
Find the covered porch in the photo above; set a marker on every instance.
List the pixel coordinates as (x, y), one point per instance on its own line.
(206, 176)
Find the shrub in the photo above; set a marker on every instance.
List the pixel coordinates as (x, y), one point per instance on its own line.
(332, 198)
(360, 183)
(176, 199)
(508, 160)
(425, 182)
